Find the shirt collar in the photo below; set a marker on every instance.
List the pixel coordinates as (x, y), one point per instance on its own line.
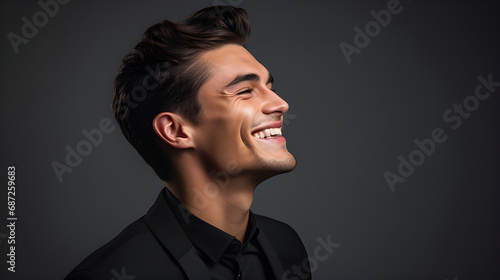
(212, 241)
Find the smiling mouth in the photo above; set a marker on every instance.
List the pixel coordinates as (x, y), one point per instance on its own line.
(267, 133)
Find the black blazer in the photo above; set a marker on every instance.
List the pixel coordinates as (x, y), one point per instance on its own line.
(156, 247)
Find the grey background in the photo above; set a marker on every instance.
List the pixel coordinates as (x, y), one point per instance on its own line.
(347, 125)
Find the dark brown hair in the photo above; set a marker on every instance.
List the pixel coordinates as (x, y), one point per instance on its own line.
(163, 74)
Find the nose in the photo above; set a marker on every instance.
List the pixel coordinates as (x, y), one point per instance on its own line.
(274, 104)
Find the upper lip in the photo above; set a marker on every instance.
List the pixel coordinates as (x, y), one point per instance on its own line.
(273, 124)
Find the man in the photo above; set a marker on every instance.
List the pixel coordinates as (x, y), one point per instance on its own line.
(201, 111)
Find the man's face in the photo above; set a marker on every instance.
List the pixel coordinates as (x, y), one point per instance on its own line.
(241, 117)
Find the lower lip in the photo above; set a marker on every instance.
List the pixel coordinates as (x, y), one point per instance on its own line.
(279, 139)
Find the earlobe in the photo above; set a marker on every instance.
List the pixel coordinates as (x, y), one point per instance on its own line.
(173, 130)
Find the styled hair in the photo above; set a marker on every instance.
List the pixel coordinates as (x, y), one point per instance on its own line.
(163, 73)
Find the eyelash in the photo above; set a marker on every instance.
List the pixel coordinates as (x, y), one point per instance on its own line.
(245, 91)
(250, 91)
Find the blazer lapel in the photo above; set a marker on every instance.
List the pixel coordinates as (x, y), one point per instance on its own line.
(274, 261)
(161, 221)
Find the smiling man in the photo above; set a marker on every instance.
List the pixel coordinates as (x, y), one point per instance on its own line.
(201, 111)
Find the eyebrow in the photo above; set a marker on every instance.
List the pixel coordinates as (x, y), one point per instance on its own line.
(249, 77)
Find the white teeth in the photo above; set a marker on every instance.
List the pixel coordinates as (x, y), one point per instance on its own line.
(267, 133)
(276, 132)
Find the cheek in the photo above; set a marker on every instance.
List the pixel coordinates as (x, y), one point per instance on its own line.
(225, 126)
(233, 120)
(218, 135)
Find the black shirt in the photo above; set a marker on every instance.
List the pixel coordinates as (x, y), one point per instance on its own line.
(223, 254)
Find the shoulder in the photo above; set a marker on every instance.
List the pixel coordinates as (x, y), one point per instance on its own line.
(133, 252)
(277, 231)
(286, 242)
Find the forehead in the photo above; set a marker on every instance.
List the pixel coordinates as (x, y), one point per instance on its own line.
(230, 61)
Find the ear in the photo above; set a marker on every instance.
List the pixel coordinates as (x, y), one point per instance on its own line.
(173, 130)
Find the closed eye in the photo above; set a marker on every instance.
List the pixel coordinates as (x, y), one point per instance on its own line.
(245, 91)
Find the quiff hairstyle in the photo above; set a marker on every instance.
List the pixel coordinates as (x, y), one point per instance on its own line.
(163, 73)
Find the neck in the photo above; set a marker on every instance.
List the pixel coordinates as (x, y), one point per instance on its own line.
(223, 201)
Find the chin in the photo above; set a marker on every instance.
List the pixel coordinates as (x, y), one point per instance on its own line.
(273, 167)
(287, 165)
